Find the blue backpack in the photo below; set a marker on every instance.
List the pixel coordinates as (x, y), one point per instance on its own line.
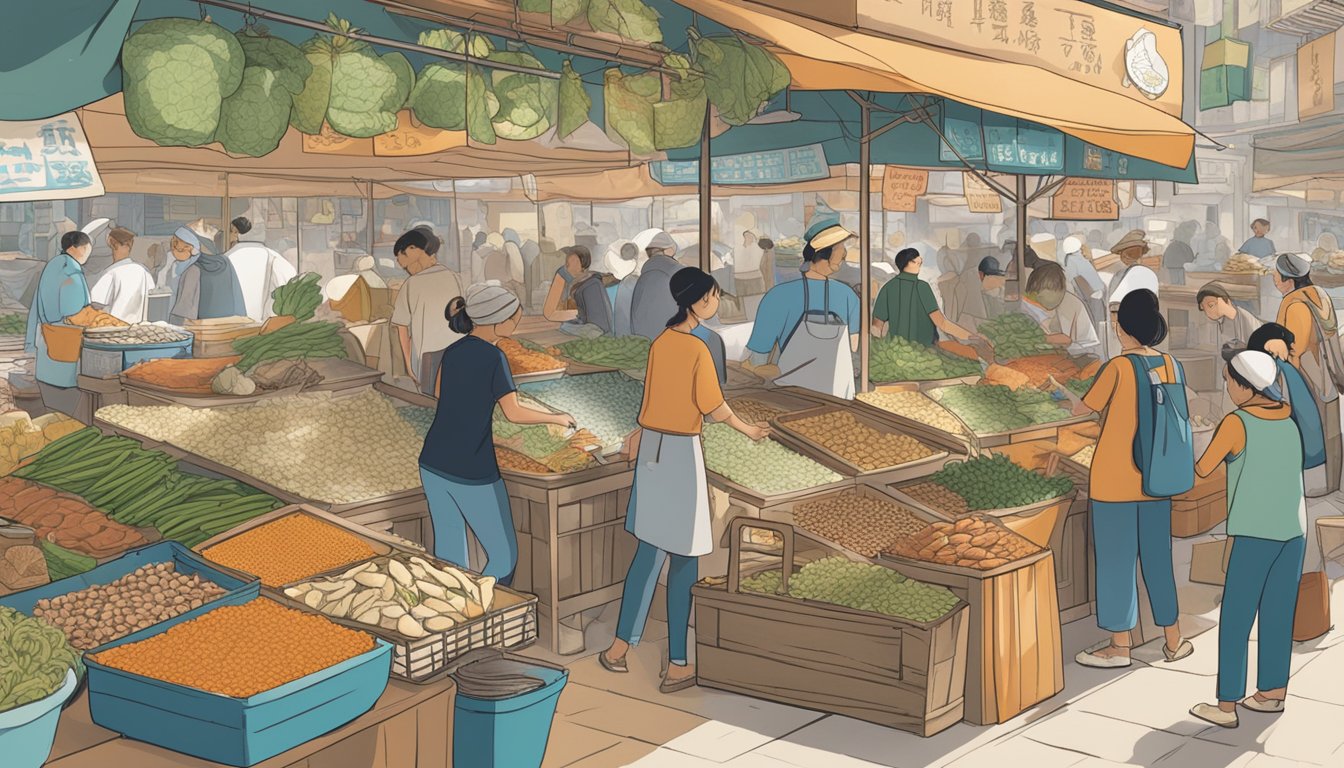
(1164, 448)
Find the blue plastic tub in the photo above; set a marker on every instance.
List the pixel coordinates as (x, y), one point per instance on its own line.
(27, 732)
(230, 730)
(508, 732)
(239, 587)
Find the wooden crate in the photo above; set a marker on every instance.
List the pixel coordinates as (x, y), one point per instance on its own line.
(1073, 550)
(789, 399)
(1202, 508)
(573, 549)
(817, 452)
(893, 672)
(337, 376)
(1014, 653)
(952, 443)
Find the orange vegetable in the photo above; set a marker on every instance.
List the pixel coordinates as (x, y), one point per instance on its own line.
(289, 549)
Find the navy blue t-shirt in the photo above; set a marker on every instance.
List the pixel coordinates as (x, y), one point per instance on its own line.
(459, 444)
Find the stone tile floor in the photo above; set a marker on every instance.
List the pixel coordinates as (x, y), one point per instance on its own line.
(1102, 719)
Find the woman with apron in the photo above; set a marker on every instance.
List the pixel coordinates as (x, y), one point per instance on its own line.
(1308, 313)
(813, 321)
(669, 505)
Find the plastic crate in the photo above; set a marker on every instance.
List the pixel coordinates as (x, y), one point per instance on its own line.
(229, 730)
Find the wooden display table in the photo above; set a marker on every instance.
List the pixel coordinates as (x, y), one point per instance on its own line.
(410, 726)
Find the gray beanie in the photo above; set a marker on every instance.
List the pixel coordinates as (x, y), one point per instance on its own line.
(491, 303)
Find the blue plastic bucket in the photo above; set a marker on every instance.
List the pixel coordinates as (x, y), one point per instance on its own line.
(507, 733)
(27, 732)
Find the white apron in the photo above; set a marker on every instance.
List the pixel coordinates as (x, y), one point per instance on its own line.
(669, 505)
(816, 354)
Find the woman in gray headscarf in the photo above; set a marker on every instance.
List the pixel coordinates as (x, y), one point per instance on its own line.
(457, 464)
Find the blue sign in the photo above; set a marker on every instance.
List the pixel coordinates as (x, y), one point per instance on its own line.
(965, 138)
(46, 160)
(779, 166)
(1012, 148)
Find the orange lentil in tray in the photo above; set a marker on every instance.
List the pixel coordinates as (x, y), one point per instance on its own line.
(289, 549)
(240, 650)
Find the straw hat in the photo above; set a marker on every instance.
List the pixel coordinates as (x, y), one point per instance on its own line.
(1135, 238)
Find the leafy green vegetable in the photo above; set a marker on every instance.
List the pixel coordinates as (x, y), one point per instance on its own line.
(995, 482)
(574, 103)
(366, 89)
(254, 119)
(630, 19)
(289, 64)
(534, 6)
(395, 99)
(62, 563)
(527, 103)
(739, 77)
(440, 96)
(482, 105)
(444, 40)
(176, 75)
(679, 121)
(566, 11)
(34, 657)
(629, 107)
(299, 298)
(310, 105)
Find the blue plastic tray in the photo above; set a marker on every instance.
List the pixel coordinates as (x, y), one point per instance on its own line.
(230, 730)
(239, 587)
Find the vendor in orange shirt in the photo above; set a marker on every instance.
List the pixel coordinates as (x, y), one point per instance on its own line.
(1131, 529)
(669, 505)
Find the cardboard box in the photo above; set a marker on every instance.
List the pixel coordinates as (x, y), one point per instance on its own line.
(1208, 564)
(1226, 52)
(1223, 85)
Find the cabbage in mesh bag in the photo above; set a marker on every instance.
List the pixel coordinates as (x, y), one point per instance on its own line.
(176, 75)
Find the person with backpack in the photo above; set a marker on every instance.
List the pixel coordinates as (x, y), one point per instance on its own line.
(1267, 521)
(1144, 456)
(1309, 315)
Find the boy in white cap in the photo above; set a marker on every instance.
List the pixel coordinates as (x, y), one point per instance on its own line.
(1266, 519)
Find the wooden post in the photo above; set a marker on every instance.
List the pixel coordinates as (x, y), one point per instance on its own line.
(369, 221)
(706, 199)
(865, 246)
(1021, 255)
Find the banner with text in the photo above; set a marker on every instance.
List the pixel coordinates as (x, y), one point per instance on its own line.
(980, 197)
(902, 188)
(1316, 77)
(1085, 200)
(46, 160)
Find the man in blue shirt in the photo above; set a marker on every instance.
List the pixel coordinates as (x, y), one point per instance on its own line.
(1259, 246)
(61, 292)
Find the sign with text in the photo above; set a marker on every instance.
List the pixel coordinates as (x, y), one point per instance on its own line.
(1011, 148)
(980, 197)
(1085, 200)
(781, 166)
(902, 187)
(46, 160)
(1080, 41)
(1316, 77)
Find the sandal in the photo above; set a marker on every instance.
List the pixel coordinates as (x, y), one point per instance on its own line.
(673, 686)
(1090, 658)
(1182, 651)
(1266, 706)
(1212, 713)
(618, 666)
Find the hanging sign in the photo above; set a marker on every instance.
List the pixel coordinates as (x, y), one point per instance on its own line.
(902, 187)
(780, 166)
(1011, 148)
(1081, 41)
(411, 139)
(980, 197)
(1085, 200)
(1316, 77)
(46, 160)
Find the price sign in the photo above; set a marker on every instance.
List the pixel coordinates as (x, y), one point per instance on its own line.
(1085, 200)
(902, 187)
(980, 197)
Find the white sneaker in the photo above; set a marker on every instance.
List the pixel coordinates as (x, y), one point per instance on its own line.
(1267, 706)
(1090, 658)
(1211, 713)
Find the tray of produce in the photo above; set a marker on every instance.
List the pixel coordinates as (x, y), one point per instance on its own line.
(13, 327)
(763, 473)
(1015, 335)
(177, 376)
(606, 353)
(297, 341)
(996, 413)
(1037, 370)
(607, 404)
(137, 590)
(295, 543)
(430, 611)
(41, 675)
(977, 543)
(237, 684)
(89, 318)
(141, 335)
(22, 437)
(862, 520)
(858, 444)
(528, 364)
(144, 488)
(368, 452)
(918, 413)
(992, 484)
(896, 360)
(68, 521)
(761, 406)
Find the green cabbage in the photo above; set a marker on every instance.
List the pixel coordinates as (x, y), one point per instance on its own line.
(482, 105)
(534, 6)
(629, 107)
(288, 63)
(254, 119)
(439, 99)
(630, 19)
(176, 74)
(34, 657)
(573, 103)
(443, 39)
(310, 105)
(405, 73)
(739, 77)
(362, 85)
(527, 103)
(566, 11)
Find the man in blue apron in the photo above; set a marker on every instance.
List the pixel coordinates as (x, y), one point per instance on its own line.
(61, 292)
(814, 322)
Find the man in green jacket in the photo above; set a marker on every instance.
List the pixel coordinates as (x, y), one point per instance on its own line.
(907, 308)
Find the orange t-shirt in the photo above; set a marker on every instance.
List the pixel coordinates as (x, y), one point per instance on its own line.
(681, 385)
(1298, 317)
(1114, 476)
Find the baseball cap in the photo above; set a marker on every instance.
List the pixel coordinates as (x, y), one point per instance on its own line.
(990, 266)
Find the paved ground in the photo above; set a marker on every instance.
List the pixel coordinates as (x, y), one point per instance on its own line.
(1137, 716)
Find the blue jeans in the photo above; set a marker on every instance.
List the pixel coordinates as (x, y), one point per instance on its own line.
(1126, 534)
(641, 580)
(453, 506)
(1262, 578)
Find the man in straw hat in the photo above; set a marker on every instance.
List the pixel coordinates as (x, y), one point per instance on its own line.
(1131, 249)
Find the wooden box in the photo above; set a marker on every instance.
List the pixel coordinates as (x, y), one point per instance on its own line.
(1202, 508)
(1014, 653)
(573, 549)
(896, 673)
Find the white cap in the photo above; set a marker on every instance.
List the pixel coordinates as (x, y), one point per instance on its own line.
(1136, 277)
(655, 238)
(94, 227)
(1294, 264)
(1257, 368)
(1072, 245)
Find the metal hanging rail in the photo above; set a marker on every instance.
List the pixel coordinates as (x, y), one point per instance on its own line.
(248, 9)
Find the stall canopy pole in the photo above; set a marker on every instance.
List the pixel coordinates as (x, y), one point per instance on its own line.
(369, 221)
(706, 199)
(224, 213)
(1022, 203)
(865, 236)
